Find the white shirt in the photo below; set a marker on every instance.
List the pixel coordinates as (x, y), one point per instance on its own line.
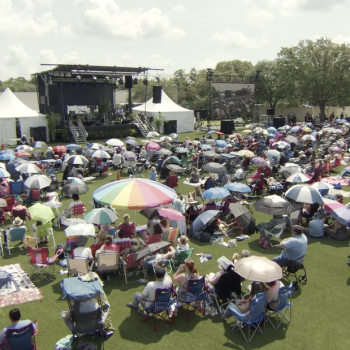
(72, 204)
(150, 290)
(82, 252)
(117, 159)
(238, 173)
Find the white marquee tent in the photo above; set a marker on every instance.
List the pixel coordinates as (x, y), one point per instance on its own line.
(171, 111)
(11, 109)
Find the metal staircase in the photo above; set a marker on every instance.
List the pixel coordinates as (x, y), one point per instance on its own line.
(78, 131)
(144, 127)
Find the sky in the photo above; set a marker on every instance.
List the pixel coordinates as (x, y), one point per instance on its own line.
(162, 34)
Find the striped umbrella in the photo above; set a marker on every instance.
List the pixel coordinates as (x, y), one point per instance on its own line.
(323, 187)
(37, 182)
(298, 177)
(342, 215)
(134, 194)
(330, 205)
(77, 160)
(215, 193)
(24, 148)
(100, 154)
(304, 194)
(95, 146)
(101, 216)
(238, 187)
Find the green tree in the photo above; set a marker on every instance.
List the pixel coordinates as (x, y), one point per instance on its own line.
(272, 87)
(235, 67)
(319, 71)
(158, 121)
(18, 84)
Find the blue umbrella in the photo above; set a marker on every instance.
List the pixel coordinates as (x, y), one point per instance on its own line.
(7, 151)
(295, 129)
(271, 130)
(220, 143)
(73, 147)
(210, 132)
(342, 215)
(202, 220)
(215, 193)
(322, 187)
(206, 147)
(7, 156)
(131, 142)
(238, 187)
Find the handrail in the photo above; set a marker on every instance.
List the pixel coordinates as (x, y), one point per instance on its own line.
(82, 129)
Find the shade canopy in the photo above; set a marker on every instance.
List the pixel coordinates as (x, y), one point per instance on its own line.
(77, 290)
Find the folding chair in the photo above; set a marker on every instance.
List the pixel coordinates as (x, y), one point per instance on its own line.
(132, 262)
(34, 195)
(243, 176)
(43, 231)
(10, 203)
(15, 234)
(39, 260)
(21, 338)
(195, 297)
(15, 175)
(181, 256)
(160, 308)
(17, 187)
(107, 263)
(76, 266)
(279, 228)
(171, 235)
(21, 213)
(153, 239)
(284, 298)
(78, 209)
(253, 318)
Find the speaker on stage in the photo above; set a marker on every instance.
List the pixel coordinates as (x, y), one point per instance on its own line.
(157, 94)
(227, 126)
(278, 122)
(270, 111)
(38, 133)
(128, 82)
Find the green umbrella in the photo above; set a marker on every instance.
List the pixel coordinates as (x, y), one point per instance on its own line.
(40, 212)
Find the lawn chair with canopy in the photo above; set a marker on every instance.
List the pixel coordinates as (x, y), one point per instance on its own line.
(88, 307)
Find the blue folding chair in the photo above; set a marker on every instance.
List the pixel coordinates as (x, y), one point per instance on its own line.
(161, 308)
(253, 318)
(17, 187)
(284, 298)
(195, 297)
(22, 338)
(15, 234)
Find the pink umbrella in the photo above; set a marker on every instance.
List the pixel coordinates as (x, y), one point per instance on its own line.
(152, 146)
(171, 214)
(330, 205)
(22, 154)
(260, 161)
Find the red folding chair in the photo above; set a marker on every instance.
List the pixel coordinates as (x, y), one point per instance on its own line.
(153, 239)
(131, 262)
(78, 209)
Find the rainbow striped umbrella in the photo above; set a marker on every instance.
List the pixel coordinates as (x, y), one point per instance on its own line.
(134, 194)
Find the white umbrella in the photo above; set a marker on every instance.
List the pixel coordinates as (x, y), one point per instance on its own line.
(304, 194)
(77, 160)
(152, 134)
(165, 138)
(24, 148)
(95, 146)
(115, 143)
(2, 165)
(37, 182)
(28, 168)
(4, 173)
(258, 268)
(100, 154)
(281, 144)
(80, 230)
(308, 138)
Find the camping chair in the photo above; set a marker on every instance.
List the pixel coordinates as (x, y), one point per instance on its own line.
(112, 231)
(243, 177)
(78, 209)
(71, 244)
(107, 263)
(21, 213)
(10, 203)
(181, 256)
(253, 318)
(124, 243)
(15, 234)
(160, 308)
(17, 187)
(195, 297)
(54, 186)
(171, 236)
(51, 171)
(269, 234)
(34, 195)
(44, 231)
(39, 260)
(132, 262)
(284, 298)
(76, 266)
(21, 338)
(15, 176)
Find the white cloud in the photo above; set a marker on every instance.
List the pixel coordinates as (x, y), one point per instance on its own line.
(44, 3)
(21, 21)
(235, 39)
(341, 39)
(48, 56)
(105, 18)
(71, 57)
(157, 61)
(17, 56)
(179, 8)
(68, 31)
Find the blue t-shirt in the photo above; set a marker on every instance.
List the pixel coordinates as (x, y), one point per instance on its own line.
(296, 247)
(316, 228)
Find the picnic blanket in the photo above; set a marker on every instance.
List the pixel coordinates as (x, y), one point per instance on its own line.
(335, 180)
(20, 290)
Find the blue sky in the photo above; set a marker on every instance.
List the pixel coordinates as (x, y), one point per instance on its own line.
(159, 34)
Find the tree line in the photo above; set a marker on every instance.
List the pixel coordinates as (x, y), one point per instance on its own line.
(312, 72)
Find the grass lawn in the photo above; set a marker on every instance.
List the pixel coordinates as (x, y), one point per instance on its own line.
(319, 312)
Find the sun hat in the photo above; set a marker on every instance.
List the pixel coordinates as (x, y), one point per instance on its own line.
(18, 221)
(81, 241)
(191, 201)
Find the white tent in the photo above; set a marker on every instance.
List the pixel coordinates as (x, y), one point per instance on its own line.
(171, 111)
(11, 108)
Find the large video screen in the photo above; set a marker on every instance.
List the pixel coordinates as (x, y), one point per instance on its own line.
(232, 100)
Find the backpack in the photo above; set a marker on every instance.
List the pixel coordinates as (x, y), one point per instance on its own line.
(264, 243)
(204, 237)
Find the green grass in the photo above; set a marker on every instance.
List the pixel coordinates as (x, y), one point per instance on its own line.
(319, 315)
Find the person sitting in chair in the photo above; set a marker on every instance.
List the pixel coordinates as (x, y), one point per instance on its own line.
(237, 174)
(294, 248)
(16, 323)
(195, 176)
(82, 252)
